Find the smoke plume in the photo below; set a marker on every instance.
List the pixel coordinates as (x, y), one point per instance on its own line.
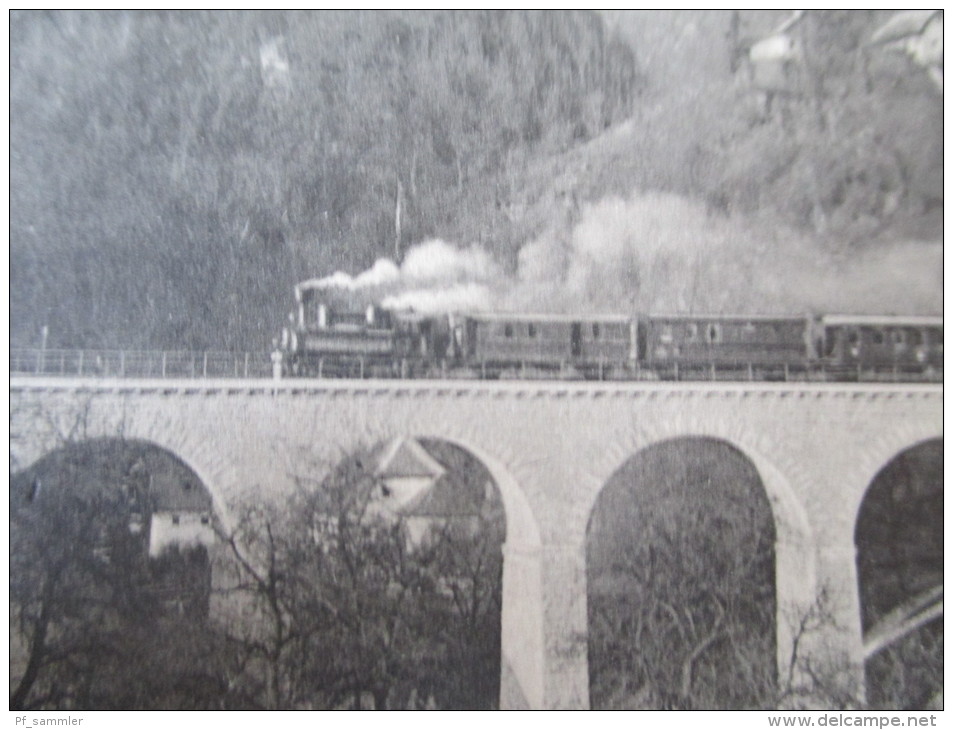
(434, 277)
(655, 253)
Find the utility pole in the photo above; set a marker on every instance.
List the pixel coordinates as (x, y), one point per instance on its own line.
(44, 334)
(400, 192)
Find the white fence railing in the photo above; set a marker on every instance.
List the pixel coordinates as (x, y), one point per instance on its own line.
(140, 363)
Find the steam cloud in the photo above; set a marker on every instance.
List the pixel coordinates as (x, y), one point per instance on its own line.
(657, 252)
(435, 277)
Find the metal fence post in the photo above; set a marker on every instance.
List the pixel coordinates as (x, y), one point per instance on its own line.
(163, 363)
(79, 367)
(205, 364)
(246, 364)
(122, 363)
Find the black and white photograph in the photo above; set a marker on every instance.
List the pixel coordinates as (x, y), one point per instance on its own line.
(476, 360)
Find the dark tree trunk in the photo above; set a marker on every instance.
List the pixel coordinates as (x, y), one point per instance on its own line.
(37, 652)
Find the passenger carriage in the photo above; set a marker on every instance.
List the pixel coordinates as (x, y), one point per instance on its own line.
(728, 346)
(889, 346)
(592, 345)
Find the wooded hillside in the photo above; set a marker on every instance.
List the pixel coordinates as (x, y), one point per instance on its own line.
(174, 173)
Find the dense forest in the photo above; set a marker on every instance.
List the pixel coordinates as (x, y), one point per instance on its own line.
(174, 173)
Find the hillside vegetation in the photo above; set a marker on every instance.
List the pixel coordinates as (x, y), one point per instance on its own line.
(174, 173)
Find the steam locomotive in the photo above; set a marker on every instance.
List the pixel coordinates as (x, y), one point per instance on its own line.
(340, 333)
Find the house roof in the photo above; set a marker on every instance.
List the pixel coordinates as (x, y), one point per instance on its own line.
(684, 317)
(407, 458)
(448, 493)
(175, 491)
(520, 317)
(447, 497)
(882, 320)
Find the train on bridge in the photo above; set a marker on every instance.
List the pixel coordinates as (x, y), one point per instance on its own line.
(340, 333)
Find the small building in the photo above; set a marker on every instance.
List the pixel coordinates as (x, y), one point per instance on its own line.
(917, 33)
(445, 503)
(181, 514)
(772, 59)
(416, 489)
(405, 471)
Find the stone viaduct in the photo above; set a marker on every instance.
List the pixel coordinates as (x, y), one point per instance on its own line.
(551, 446)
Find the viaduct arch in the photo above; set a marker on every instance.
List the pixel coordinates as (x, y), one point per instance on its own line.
(899, 539)
(551, 447)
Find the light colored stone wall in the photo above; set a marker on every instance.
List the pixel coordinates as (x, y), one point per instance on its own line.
(550, 447)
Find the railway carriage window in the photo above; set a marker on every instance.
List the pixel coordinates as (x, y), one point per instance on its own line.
(877, 337)
(595, 330)
(916, 338)
(714, 333)
(472, 330)
(314, 313)
(899, 337)
(665, 335)
(748, 331)
(508, 330)
(691, 332)
(853, 342)
(531, 329)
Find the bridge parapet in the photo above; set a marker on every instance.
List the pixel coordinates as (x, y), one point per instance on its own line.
(219, 364)
(514, 389)
(138, 363)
